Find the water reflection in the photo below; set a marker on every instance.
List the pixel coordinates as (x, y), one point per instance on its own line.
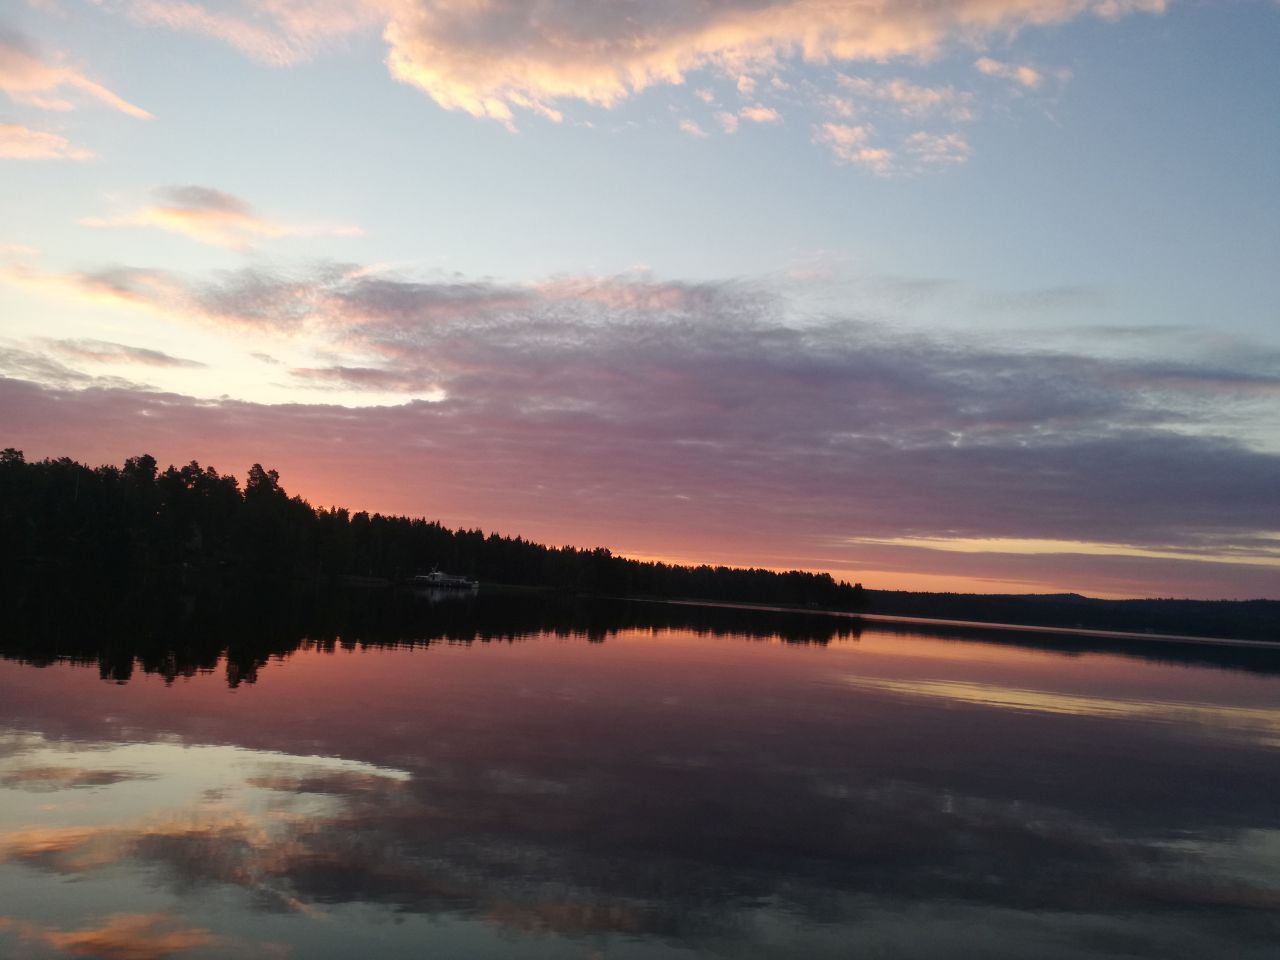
(1260, 724)
(684, 859)
(672, 792)
(241, 631)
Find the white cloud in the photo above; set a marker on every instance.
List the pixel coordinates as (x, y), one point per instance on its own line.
(909, 99)
(938, 149)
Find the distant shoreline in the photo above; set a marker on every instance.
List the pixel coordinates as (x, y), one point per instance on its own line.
(976, 624)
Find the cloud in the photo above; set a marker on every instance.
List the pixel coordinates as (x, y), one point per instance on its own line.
(121, 936)
(51, 779)
(729, 122)
(909, 99)
(491, 59)
(213, 217)
(122, 286)
(692, 128)
(27, 79)
(760, 114)
(16, 361)
(241, 299)
(851, 144)
(486, 59)
(1021, 74)
(693, 404)
(22, 143)
(277, 32)
(366, 378)
(102, 351)
(934, 150)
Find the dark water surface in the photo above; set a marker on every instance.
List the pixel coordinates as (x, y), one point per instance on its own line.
(636, 789)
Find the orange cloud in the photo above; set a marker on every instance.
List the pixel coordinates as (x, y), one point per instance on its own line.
(63, 849)
(485, 58)
(148, 289)
(22, 143)
(27, 79)
(121, 936)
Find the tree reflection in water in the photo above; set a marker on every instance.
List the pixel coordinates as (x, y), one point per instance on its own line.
(528, 776)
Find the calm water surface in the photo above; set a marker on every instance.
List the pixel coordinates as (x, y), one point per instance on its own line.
(662, 793)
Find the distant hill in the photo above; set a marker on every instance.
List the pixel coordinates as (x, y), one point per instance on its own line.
(1238, 620)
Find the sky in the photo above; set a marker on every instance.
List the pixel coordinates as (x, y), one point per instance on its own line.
(973, 295)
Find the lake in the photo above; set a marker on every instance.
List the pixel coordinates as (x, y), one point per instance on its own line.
(492, 780)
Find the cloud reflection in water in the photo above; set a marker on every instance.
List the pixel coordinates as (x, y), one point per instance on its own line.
(677, 793)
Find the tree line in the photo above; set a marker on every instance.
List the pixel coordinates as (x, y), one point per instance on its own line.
(138, 528)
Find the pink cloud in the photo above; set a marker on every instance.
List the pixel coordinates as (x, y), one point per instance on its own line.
(101, 351)
(691, 128)
(277, 32)
(490, 59)
(668, 480)
(22, 143)
(907, 98)
(760, 114)
(1022, 74)
(653, 416)
(27, 79)
(484, 59)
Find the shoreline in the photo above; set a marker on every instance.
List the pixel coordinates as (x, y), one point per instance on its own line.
(978, 624)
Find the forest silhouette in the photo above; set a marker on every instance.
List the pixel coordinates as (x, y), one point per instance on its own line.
(137, 545)
(136, 526)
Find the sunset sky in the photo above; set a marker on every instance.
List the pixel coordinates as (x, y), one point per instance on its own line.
(930, 294)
